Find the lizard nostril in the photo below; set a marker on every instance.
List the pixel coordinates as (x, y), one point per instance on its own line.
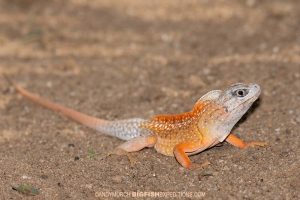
(256, 86)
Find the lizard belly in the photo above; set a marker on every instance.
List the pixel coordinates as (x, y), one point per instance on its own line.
(168, 140)
(165, 146)
(207, 145)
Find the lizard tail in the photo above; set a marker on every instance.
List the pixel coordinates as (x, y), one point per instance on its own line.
(84, 119)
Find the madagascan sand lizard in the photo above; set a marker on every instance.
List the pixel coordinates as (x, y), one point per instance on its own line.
(180, 135)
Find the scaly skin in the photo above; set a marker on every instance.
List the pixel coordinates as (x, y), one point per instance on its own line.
(207, 124)
(171, 130)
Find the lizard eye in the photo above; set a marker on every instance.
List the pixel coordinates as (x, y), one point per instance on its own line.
(240, 92)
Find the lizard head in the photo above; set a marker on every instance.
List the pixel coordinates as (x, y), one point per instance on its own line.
(238, 98)
(233, 103)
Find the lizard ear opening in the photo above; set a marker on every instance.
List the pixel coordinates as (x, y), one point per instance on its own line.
(212, 95)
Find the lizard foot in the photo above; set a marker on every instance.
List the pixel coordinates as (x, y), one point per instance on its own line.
(237, 142)
(121, 152)
(199, 165)
(256, 144)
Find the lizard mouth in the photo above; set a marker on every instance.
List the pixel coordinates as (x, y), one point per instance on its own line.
(247, 102)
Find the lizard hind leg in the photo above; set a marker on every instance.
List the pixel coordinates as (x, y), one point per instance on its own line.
(133, 145)
(137, 144)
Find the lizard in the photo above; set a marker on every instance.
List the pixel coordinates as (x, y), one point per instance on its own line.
(209, 122)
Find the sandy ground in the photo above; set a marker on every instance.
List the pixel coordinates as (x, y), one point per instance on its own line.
(118, 59)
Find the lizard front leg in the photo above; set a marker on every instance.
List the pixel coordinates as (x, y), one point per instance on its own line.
(180, 153)
(237, 142)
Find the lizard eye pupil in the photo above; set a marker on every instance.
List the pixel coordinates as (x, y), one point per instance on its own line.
(240, 93)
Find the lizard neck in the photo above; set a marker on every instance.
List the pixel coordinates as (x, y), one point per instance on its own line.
(209, 121)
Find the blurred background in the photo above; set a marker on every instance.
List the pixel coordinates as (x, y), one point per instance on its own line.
(129, 58)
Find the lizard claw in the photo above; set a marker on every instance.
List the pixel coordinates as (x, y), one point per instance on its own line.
(199, 165)
(121, 152)
(256, 144)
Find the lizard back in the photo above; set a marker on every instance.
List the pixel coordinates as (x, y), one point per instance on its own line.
(175, 129)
